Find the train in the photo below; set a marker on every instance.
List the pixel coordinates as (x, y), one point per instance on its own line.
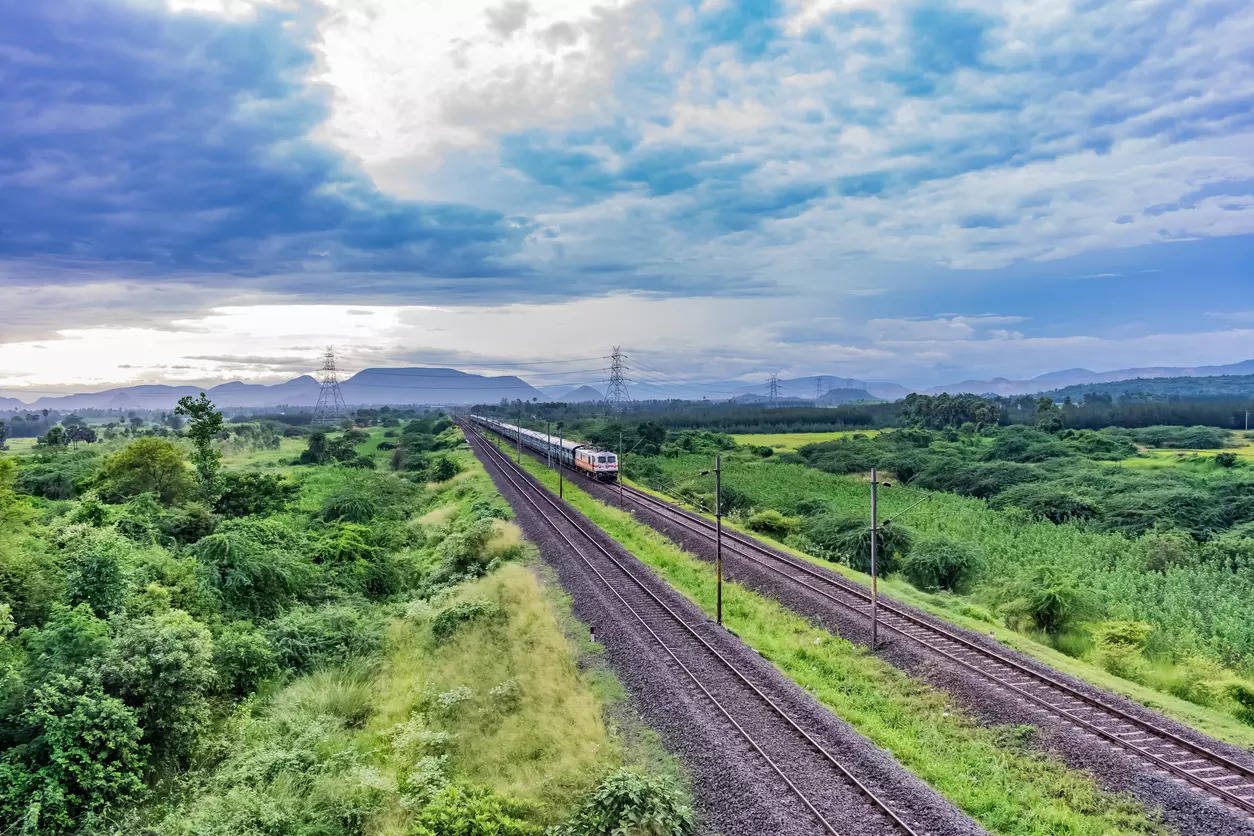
(589, 460)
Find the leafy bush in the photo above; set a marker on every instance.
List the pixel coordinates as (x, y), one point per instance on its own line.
(1044, 500)
(942, 564)
(163, 666)
(1048, 600)
(251, 579)
(1024, 444)
(444, 469)
(1226, 459)
(773, 522)
(304, 637)
(1166, 549)
(82, 755)
(1243, 695)
(97, 573)
(253, 493)
(462, 554)
(1119, 646)
(349, 507)
(1200, 680)
(1186, 438)
(450, 619)
(848, 539)
(60, 477)
(243, 659)
(629, 803)
(187, 523)
(472, 811)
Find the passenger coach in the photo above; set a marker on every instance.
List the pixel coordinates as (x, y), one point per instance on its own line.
(591, 461)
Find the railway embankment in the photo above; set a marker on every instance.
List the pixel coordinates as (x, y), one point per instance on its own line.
(764, 755)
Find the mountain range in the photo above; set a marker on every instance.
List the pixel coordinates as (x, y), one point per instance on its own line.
(1075, 377)
(369, 386)
(402, 386)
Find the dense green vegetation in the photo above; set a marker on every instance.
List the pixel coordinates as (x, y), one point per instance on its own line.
(994, 774)
(188, 645)
(1236, 387)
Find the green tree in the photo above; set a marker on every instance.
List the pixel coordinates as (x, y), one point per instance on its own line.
(252, 492)
(162, 665)
(148, 465)
(204, 422)
(55, 439)
(82, 755)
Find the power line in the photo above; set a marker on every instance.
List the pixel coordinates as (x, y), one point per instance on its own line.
(330, 407)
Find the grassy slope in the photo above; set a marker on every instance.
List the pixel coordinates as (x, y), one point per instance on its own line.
(989, 773)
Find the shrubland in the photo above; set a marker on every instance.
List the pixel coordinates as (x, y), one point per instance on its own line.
(191, 646)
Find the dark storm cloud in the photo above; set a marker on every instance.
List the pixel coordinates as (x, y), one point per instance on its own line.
(161, 145)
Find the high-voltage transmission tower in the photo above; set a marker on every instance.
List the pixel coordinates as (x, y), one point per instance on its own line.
(772, 388)
(330, 408)
(616, 395)
(819, 388)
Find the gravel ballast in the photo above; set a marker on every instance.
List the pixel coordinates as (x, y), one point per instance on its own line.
(736, 789)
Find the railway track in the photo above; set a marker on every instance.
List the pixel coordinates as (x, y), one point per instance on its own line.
(1212, 772)
(795, 754)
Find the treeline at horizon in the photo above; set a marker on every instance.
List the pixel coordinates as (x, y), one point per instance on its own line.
(1093, 412)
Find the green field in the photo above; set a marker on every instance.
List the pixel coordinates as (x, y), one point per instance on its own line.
(794, 441)
(1152, 458)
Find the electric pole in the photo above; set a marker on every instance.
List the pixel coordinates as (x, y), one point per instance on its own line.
(616, 395)
(518, 455)
(772, 388)
(718, 535)
(561, 465)
(875, 624)
(330, 407)
(620, 470)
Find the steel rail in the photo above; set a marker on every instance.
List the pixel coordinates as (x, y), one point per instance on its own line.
(532, 488)
(745, 546)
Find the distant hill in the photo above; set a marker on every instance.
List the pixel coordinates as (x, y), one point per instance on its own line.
(807, 388)
(1219, 386)
(839, 396)
(1075, 377)
(369, 386)
(7, 404)
(581, 394)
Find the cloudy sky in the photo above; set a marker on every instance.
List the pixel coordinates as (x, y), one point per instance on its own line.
(920, 191)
